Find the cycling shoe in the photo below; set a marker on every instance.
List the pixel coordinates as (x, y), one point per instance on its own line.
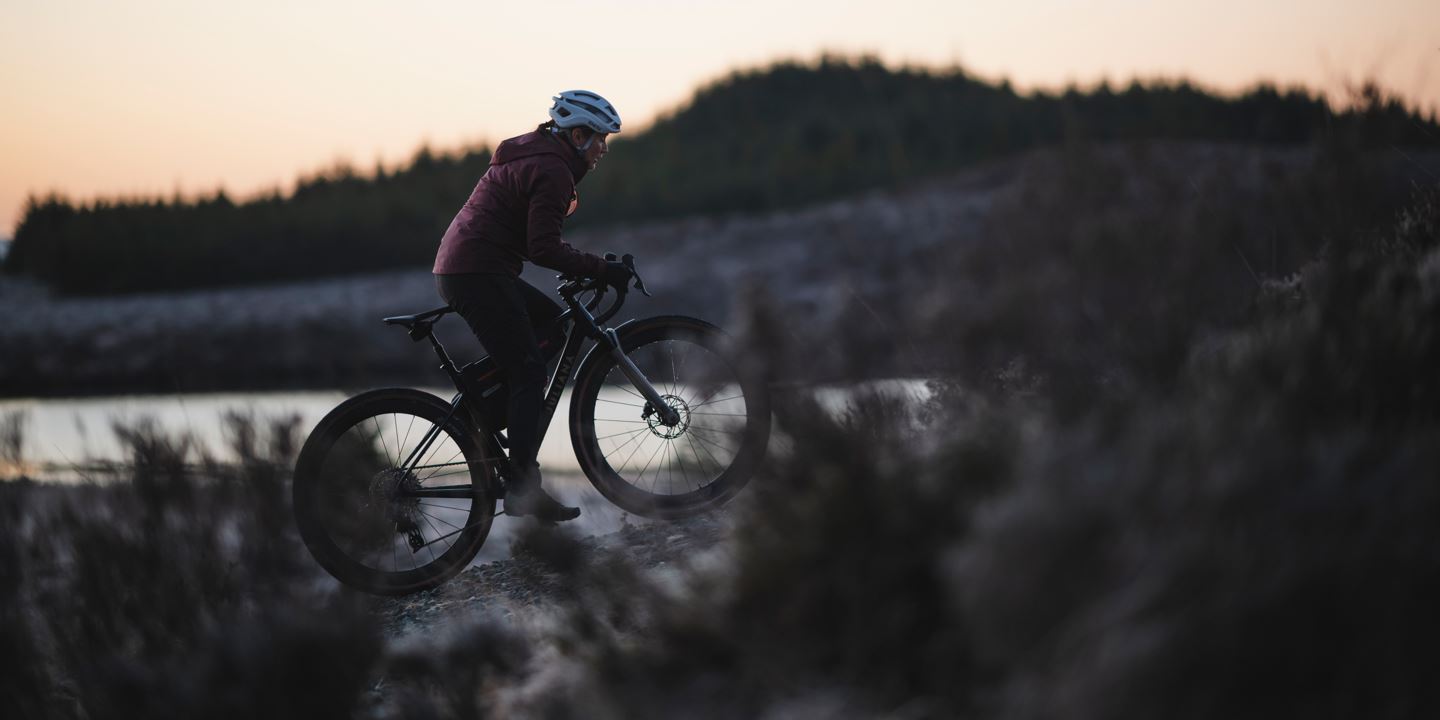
(533, 500)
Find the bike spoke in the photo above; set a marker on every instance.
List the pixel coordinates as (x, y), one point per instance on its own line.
(437, 517)
(674, 459)
(436, 531)
(381, 435)
(395, 426)
(442, 507)
(685, 474)
(694, 403)
(617, 402)
(663, 467)
(427, 441)
(455, 532)
(638, 435)
(701, 438)
(712, 402)
(458, 452)
(674, 374)
(647, 465)
(667, 466)
(618, 449)
(453, 492)
(622, 432)
(691, 440)
(361, 441)
(408, 428)
(707, 428)
(685, 355)
(626, 388)
(427, 452)
(699, 463)
(704, 446)
(632, 452)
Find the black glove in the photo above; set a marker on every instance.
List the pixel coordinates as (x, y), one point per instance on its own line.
(617, 275)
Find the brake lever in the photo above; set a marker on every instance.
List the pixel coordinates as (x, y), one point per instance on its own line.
(629, 261)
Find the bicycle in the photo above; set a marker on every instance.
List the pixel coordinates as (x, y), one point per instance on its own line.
(371, 505)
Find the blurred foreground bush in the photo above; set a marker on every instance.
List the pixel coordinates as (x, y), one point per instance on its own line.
(1257, 541)
(180, 591)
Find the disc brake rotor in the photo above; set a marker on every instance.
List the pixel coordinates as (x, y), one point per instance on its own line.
(658, 427)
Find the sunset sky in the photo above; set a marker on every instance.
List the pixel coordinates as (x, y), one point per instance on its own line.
(154, 96)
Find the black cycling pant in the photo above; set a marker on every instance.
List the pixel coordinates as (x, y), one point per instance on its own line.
(506, 314)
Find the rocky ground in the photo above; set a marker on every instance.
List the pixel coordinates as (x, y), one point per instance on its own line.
(527, 582)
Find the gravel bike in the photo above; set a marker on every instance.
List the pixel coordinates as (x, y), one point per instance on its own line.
(395, 489)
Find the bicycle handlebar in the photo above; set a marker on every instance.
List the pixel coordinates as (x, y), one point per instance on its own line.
(572, 285)
(571, 281)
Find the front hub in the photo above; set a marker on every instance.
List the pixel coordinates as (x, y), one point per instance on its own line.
(662, 429)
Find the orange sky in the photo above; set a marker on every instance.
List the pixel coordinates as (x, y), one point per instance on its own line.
(151, 96)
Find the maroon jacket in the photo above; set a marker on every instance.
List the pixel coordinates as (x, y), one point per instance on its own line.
(516, 212)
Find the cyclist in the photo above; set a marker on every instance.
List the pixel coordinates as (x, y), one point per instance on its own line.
(516, 213)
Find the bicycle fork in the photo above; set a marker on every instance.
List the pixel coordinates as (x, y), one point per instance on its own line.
(667, 414)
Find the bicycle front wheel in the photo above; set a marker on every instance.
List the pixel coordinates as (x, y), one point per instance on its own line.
(661, 470)
(390, 496)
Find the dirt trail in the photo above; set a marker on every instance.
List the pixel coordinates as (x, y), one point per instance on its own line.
(524, 582)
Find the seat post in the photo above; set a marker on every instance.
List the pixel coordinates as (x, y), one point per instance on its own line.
(446, 363)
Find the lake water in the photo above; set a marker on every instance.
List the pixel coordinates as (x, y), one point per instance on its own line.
(62, 435)
(64, 438)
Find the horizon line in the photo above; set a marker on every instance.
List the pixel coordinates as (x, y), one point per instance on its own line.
(353, 168)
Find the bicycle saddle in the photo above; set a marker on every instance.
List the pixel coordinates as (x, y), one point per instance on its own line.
(419, 325)
(428, 317)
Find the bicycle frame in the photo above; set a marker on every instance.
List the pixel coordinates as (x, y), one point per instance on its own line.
(579, 325)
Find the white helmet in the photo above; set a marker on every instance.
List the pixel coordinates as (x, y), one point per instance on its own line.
(582, 108)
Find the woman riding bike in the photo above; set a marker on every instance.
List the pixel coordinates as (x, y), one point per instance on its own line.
(516, 213)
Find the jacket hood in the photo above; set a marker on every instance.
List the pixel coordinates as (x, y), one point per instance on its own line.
(539, 142)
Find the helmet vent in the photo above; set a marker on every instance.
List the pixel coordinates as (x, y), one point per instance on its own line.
(577, 108)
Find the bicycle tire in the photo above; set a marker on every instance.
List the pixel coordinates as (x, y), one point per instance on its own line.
(345, 492)
(723, 453)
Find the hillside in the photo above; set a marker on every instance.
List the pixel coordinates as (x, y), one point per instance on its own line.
(1109, 231)
(786, 136)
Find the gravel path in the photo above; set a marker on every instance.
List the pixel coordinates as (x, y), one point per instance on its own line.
(524, 582)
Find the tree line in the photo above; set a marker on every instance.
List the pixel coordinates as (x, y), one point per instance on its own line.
(757, 140)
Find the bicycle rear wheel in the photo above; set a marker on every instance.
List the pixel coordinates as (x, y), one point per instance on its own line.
(390, 497)
(669, 471)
